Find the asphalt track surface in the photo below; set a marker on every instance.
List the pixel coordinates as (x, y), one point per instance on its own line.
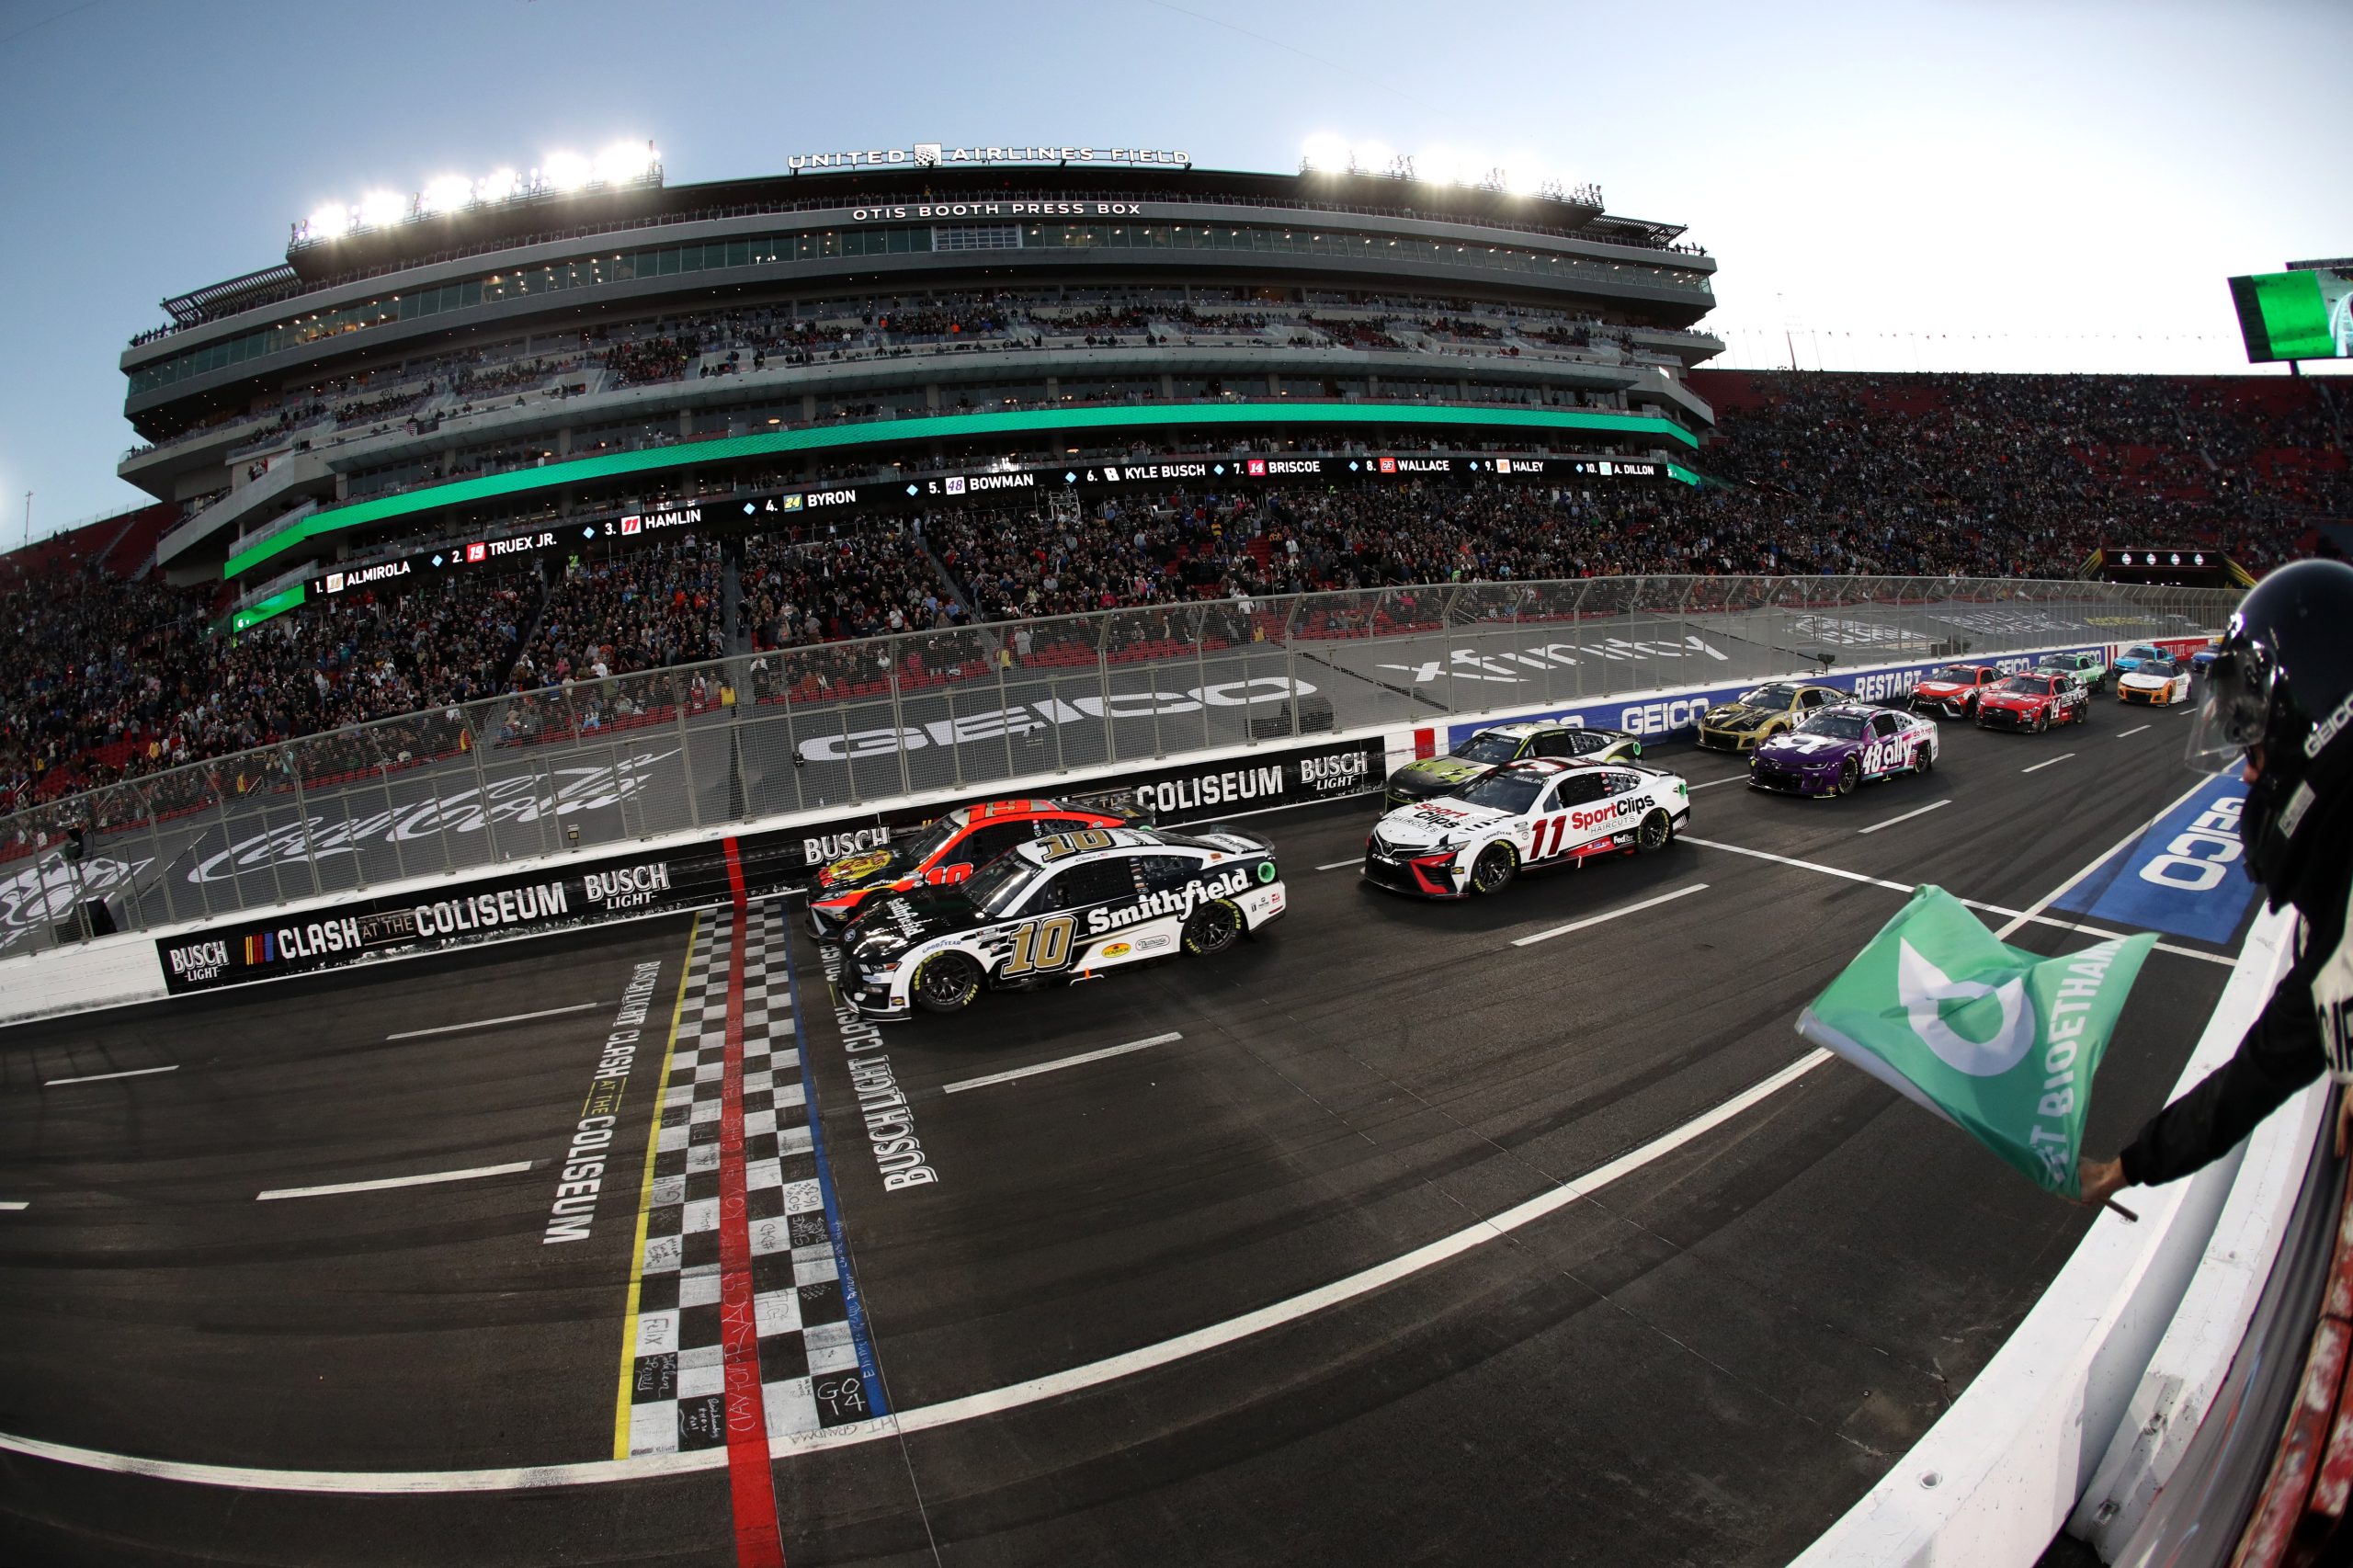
(1703, 1360)
(505, 802)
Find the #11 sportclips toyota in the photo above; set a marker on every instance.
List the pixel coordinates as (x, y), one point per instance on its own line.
(1057, 910)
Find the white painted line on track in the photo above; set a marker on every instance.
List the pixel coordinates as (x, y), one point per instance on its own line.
(1907, 816)
(488, 1023)
(13, 1205)
(947, 1413)
(1338, 865)
(2034, 911)
(1736, 778)
(102, 1077)
(958, 1088)
(1606, 914)
(2052, 763)
(427, 1180)
(2225, 959)
(2121, 734)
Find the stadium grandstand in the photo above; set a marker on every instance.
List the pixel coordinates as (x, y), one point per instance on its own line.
(545, 442)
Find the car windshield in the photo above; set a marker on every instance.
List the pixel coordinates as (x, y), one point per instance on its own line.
(1513, 792)
(2033, 686)
(1490, 745)
(933, 840)
(1837, 726)
(1001, 886)
(1963, 674)
(2156, 666)
(1775, 696)
(2143, 652)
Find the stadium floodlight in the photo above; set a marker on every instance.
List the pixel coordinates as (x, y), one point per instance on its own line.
(1324, 153)
(498, 187)
(623, 162)
(446, 194)
(381, 209)
(567, 171)
(329, 223)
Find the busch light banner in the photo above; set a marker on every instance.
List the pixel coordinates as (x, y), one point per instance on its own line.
(553, 898)
(1999, 1041)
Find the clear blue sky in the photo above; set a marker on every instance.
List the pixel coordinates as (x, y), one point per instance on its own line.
(2019, 184)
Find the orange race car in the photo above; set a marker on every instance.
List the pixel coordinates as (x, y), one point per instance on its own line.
(947, 850)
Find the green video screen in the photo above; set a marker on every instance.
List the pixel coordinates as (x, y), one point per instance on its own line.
(2305, 314)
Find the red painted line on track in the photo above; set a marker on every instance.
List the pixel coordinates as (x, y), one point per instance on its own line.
(758, 1544)
(734, 872)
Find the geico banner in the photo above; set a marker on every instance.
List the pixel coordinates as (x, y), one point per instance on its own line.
(1033, 718)
(2183, 876)
(1168, 793)
(1664, 716)
(528, 903)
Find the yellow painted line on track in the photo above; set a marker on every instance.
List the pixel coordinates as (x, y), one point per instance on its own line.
(646, 1201)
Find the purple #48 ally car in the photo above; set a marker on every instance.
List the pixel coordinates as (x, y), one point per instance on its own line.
(1840, 747)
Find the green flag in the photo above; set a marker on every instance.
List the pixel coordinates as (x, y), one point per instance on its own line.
(1998, 1040)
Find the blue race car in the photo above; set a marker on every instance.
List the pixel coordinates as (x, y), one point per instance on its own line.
(2203, 659)
(1836, 748)
(2133, 658)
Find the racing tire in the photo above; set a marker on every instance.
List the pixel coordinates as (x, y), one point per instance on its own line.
(1212, 929)
(1498, 864)
(1657, 833)
(1924, 758)
(2041, 720)
(946, 983)
(1849, 775)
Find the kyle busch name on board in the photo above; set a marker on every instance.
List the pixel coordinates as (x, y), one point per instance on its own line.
(1060, 909)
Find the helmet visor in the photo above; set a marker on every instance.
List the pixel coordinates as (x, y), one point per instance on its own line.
(2230, 718)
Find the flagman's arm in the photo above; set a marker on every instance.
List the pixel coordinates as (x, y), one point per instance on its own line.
(2279, 1055)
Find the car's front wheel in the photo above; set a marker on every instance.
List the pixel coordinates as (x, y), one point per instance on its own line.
(1212, 929)
(946, 983)
(1849, 775)
(1925, 757)
(1495, 867)
(1656, 830)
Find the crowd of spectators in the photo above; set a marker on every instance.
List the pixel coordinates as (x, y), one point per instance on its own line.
(2014, 476)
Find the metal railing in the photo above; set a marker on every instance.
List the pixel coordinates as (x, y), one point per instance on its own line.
(839, 726)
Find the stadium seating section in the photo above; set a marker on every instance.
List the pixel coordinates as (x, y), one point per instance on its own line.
(112, 673)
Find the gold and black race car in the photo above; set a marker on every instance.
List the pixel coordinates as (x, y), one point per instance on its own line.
(1500, 743)
(1756, 716)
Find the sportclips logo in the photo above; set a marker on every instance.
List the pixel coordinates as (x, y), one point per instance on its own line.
(522, 798)
(1024, 718)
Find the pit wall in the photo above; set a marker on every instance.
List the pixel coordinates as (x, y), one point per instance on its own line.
(675, 872)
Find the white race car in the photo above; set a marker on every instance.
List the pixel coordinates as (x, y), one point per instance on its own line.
(2159, 682)
(1539, 811)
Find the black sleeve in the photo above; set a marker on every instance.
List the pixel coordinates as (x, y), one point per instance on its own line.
(2279, 1055)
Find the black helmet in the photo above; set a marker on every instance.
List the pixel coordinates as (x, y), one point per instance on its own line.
(2284, 680)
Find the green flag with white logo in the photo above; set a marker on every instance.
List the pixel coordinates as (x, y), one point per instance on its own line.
(1998, 1040)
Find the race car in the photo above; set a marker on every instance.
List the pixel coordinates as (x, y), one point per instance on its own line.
(2202, 659)
(1954, 690)
(2034, 701)
(1841, 747)
(2159, 682)
(1769, 710)
(1541, 811)
(947, 850)
(1056, 910)
(2086, 670)
(1491, 748)
(2133, 658)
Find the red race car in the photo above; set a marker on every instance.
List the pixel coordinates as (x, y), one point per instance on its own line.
(1954, 690)
(2033, 702)
(946, 850)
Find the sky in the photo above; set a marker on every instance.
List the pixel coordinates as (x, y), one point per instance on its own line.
(1980, 184)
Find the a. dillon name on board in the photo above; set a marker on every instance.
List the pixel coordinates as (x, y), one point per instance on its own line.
(582, 1180)
(889, 1123)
